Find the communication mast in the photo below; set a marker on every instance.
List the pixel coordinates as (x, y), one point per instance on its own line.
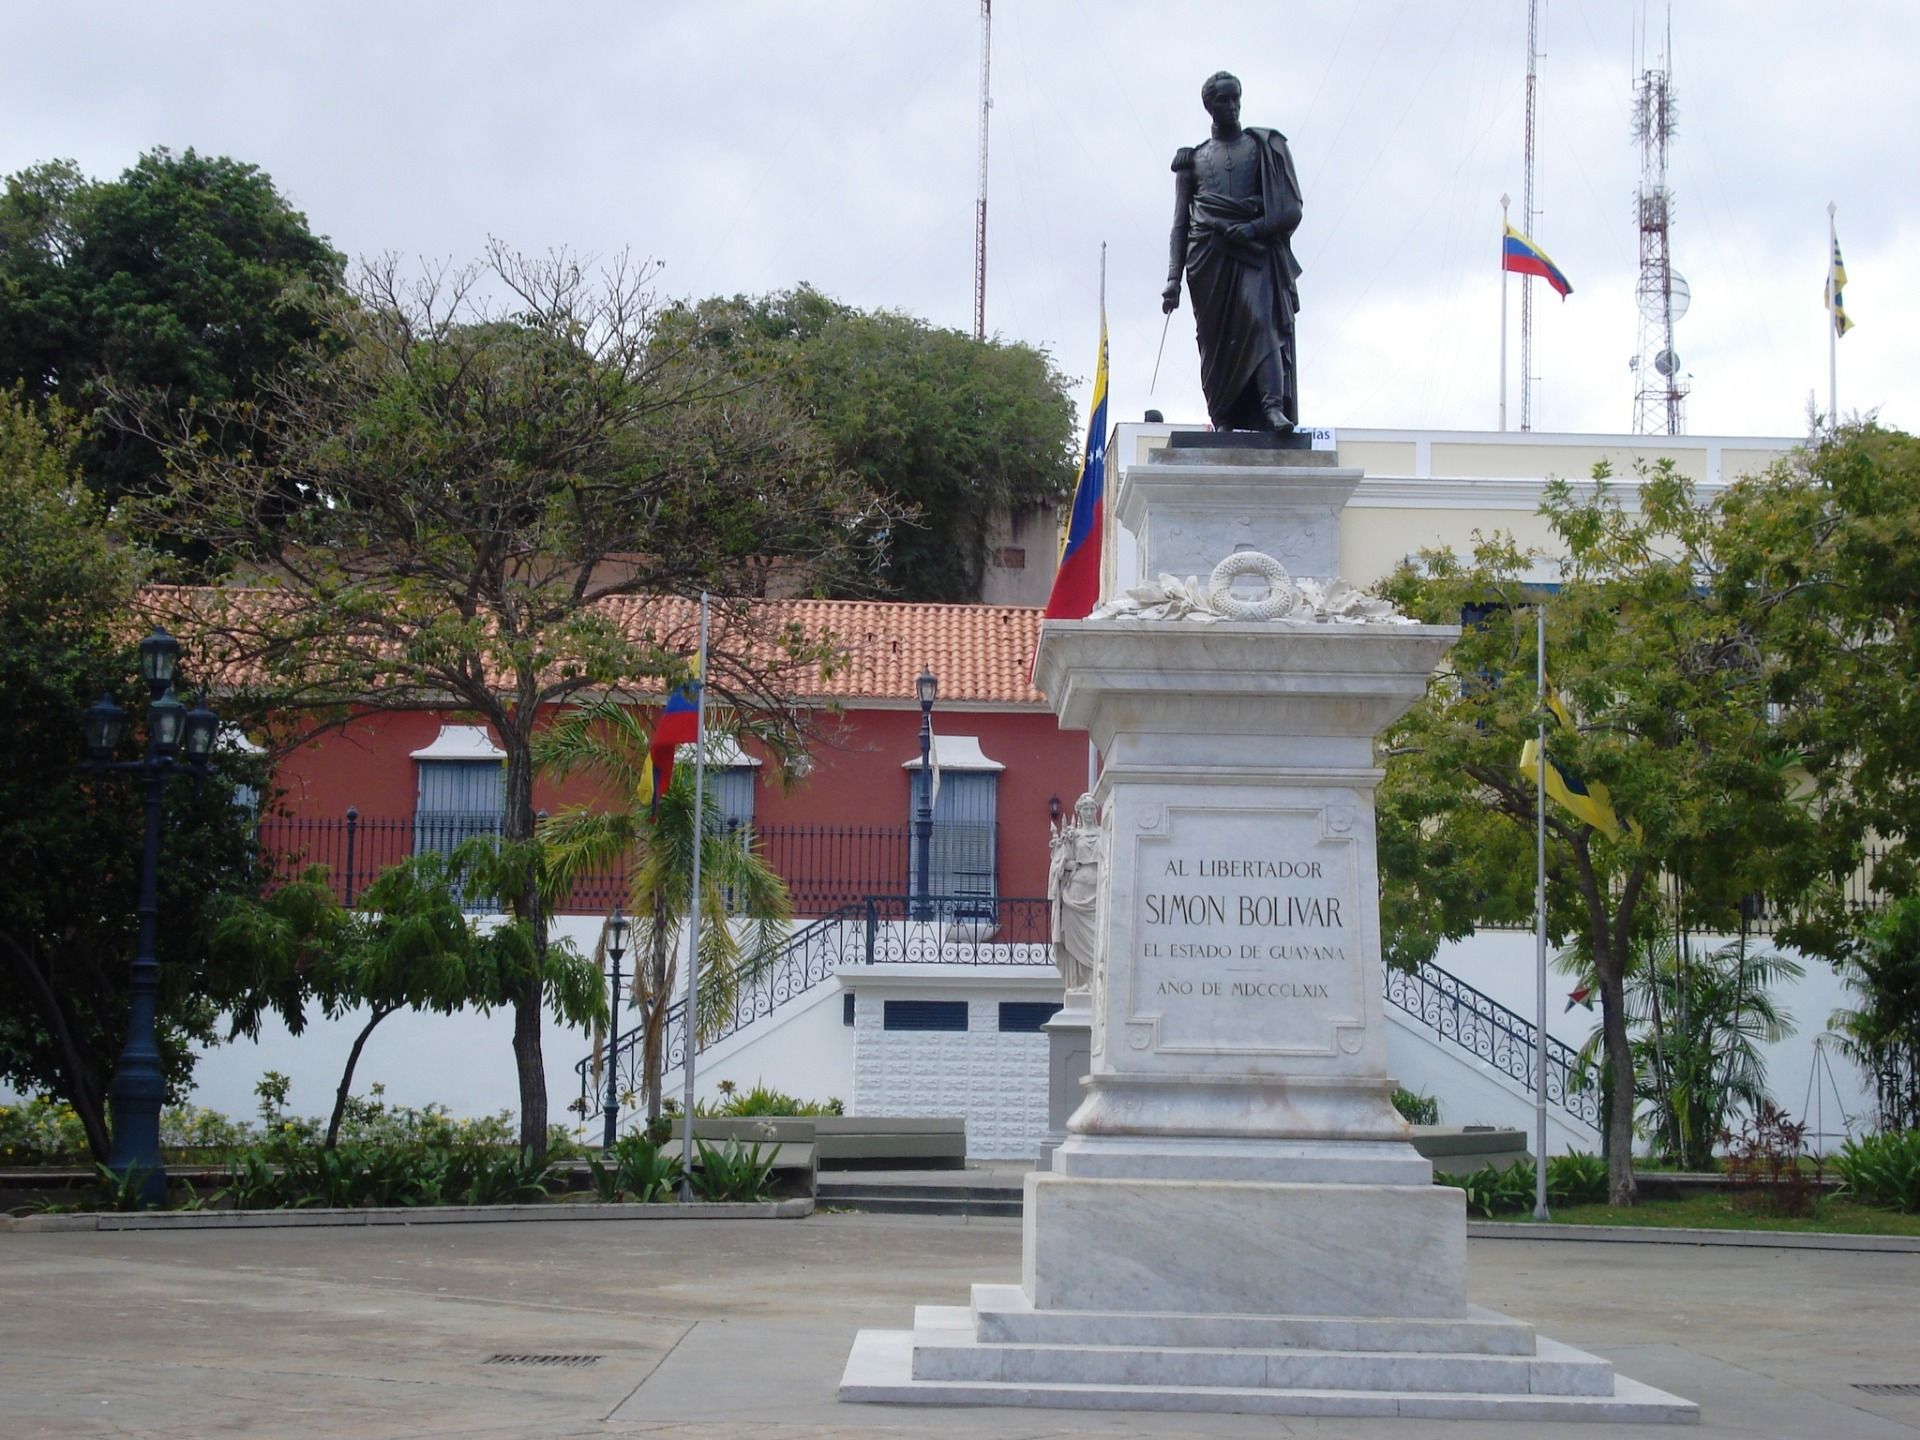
(1527, 222)
(980, 204)
(1662, 293)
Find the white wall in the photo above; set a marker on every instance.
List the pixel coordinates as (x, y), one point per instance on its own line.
(804, 1049)
(1501, 965)
(996, 1082)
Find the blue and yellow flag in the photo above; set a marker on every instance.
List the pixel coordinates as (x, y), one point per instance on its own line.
(1586, 802)
(1837, 282)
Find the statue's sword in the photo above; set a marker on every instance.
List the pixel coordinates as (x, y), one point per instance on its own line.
(1161, 351)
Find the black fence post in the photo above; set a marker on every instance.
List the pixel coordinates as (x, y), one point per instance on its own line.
(353, 829)
(873, 927)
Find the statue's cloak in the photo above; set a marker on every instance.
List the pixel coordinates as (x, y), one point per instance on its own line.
(1245, 295)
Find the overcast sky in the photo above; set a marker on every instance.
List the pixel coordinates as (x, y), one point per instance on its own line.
(752, 146)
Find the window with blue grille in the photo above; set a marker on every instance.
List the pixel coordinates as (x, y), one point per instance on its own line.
(1018, 1017)
(961, 858)
(924, 1015)
(458, 799)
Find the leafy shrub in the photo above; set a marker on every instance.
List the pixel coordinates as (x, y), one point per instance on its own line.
(1493, 1191)
(639, 1171)
(732, 1172)
(39, 1130)
(294, 1172)
(1576, 1179)
(1571, 1180)
(1763, 1164)
(1415, 1108)
(764, 1100)
(1883, 1170)
(189, 1127)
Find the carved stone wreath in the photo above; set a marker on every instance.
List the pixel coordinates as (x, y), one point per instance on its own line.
(1281, 596)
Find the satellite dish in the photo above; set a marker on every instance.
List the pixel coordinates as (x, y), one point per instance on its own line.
(1666, 362)
(1659, 305)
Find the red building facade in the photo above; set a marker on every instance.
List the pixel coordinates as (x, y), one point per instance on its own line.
(363, 795)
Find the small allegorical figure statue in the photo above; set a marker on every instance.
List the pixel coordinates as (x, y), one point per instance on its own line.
(1073, 885)
(1236, 206)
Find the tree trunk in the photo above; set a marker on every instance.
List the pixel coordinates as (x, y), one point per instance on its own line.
(653, 1061)
(346, 1077)
(1620, 1100)
(529, 995)
(79, 1089)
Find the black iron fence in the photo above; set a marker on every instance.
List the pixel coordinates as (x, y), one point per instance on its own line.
(878, 930)
(824, 866)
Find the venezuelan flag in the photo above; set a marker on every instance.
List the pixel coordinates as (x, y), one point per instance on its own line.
(1076, 581)
(1523, 257)
(679, 724)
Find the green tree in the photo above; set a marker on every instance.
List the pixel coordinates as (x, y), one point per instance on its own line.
(1881, 1031)
(743, 903)
(1823, 554)
(1698, 1022)
(408, 944)
(955, 430)
(502, 506)
(70, 842)
(172, 278)
(1667, 680)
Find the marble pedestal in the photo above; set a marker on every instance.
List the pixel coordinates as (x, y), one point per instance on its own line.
(1067, 1044)
(1237, 1219)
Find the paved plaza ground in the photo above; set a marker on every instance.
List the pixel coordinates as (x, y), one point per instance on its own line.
(740, 1328)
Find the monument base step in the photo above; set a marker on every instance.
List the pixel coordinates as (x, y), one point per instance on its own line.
(1484, 1366)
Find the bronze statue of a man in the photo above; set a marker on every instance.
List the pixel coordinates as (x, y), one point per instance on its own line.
(1236, 206)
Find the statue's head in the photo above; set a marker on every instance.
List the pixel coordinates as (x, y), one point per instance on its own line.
(1086, 813)
(1221, 95)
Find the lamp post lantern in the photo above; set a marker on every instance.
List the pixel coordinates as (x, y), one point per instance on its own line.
(928, 688)
(616, 949)
(176, 738)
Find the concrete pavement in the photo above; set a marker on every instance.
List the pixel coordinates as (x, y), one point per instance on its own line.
(732, 1329)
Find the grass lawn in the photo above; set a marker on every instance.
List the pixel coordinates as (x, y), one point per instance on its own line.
(1718, 1212)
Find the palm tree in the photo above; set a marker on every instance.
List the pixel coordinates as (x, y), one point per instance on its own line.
(1697, 1024)
(743, 903)
(1882, 970)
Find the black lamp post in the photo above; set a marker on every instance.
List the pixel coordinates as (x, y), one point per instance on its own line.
(175, 737)
(616, 948)
(928, 688)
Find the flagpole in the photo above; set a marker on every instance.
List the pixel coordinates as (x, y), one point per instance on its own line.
(1833, 328)
(1540, 919)
(692, 1025)
(1504, 202)
(1093, 753)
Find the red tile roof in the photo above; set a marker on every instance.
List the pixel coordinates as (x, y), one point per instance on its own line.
(979, 652)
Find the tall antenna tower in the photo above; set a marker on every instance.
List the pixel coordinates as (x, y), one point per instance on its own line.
(1662, 293)
(1526, 223)
(980, 203)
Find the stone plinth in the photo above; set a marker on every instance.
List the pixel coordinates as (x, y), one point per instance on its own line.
(1067, 1044)
(1188, 508)
(1237, 1219)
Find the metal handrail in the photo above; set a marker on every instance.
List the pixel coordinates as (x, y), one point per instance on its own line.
(881, 929)
(1492, 1033)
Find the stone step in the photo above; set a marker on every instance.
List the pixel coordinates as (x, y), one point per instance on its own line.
(880, 1370)
(935, 1203)
(957, 1355)
(1001, 1314)
(880, 1190)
